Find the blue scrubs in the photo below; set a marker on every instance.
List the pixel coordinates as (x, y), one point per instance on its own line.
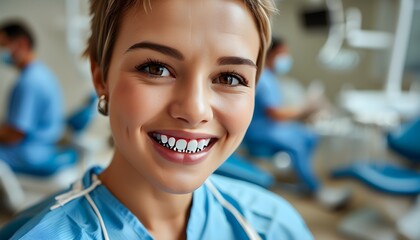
(292, 137)
(271, 216)
(35, 107)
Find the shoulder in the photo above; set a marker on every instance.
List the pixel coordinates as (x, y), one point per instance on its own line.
(267, 76)
(271, 215)
(66, 215)
(264, 77)
(61, 223)
(38, 72)
(268, 87)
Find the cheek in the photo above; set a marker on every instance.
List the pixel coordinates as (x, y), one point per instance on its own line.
(235, 113)
(133, 104)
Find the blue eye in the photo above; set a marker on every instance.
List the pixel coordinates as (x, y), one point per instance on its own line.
(230, 79)
(154, 69)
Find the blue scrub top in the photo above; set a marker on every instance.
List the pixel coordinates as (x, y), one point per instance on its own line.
(267, 96)
(36, 108)
(271, 216)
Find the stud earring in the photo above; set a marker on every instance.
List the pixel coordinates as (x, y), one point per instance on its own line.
(103, 105)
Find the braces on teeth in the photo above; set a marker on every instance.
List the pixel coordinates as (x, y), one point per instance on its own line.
(181, 145)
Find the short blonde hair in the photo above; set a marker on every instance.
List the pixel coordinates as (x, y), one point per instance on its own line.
(107, 15)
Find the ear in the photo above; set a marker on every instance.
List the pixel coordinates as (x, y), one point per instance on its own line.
(97, 78)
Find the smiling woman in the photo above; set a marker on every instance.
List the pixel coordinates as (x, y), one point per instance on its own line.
(177, 80)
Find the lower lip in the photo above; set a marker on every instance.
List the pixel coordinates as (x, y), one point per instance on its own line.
(180, 158)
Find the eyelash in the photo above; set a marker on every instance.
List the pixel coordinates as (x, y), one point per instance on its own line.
(149, 62)
(241, 79)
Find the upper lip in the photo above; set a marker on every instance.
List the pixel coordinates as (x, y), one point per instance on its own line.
(184, 134)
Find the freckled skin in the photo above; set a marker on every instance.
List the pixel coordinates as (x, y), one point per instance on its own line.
(187, 100)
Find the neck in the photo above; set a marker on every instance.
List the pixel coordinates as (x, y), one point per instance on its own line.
(26, 60)
(159, 211)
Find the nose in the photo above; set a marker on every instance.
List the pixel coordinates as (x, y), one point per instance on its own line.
(191, 103)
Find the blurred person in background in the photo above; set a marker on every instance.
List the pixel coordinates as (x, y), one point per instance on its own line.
(34, 118)
(283, 127)
(178, 87)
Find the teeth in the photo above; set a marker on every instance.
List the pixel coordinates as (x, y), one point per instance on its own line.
(181, 145)
(192, 146)
(171, 142)
(201, 144)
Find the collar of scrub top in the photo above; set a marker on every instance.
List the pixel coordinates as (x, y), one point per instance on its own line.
(78, 190)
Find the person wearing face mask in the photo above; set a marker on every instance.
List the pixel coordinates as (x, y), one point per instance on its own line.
(178, 89)
(279, 62)
(34, 118)
(282, 128)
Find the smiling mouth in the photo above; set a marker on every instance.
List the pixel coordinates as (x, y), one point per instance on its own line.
(181, 145)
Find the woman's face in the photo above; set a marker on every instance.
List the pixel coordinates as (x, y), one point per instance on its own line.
(181, 88)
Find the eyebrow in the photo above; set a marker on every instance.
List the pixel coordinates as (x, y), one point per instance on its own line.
(172, 52)
(236, 61)
(159, 48)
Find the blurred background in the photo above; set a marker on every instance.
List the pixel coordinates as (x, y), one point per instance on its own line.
(362, 58)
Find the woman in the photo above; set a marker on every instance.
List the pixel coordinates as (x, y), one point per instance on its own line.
(177, 79)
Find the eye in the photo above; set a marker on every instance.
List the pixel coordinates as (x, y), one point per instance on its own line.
(231, 79)
(154, 69)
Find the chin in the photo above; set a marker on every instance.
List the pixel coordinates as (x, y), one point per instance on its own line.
(182, 184)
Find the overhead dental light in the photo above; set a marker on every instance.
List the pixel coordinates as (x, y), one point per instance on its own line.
(331, 55)
(345, 27)
(391, 100)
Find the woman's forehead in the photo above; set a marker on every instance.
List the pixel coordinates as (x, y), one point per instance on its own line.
(223, 24)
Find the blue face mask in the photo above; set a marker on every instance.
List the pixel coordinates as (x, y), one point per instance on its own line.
(6, 57)
(283, 64)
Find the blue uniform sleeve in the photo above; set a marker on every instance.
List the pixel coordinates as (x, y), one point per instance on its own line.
(22, 112)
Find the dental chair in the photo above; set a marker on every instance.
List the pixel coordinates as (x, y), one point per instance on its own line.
(239, 168)
(280, 158)
(293, 176)
(280, 163)
(392, 179)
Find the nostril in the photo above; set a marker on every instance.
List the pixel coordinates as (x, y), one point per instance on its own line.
(191, 121)
(182, 119)
(191, 116)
